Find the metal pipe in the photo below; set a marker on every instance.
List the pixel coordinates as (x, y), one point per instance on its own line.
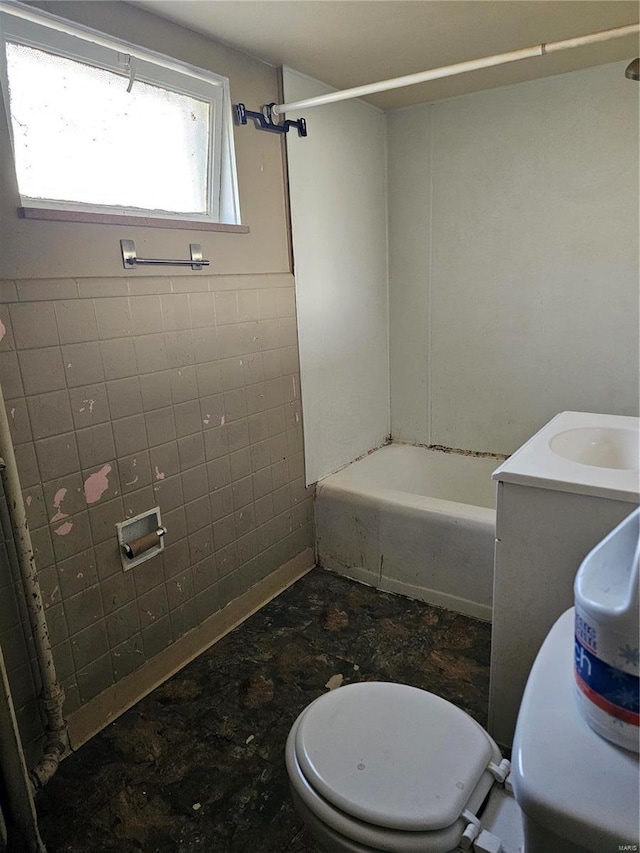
(18, 786)
(52, 696)
(457, 68)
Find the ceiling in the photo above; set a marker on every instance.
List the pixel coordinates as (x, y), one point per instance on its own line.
(352, 42)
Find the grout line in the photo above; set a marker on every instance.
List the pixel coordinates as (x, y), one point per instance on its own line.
(430, 288)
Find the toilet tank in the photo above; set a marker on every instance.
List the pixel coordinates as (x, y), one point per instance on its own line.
(578, 792)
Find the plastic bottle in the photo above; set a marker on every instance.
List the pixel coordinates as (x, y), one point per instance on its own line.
(606, 635)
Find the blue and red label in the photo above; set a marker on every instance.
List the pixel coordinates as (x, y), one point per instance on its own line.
(612, 690)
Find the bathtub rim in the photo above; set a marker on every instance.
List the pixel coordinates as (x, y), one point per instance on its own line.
(342, 480)
(411, 501)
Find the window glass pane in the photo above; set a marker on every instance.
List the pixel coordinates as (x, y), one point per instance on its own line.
(81, 137)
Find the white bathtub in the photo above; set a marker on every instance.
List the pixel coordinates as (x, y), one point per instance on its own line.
(413, 521)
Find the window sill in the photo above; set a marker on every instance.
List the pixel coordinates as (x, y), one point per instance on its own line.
(117, 219)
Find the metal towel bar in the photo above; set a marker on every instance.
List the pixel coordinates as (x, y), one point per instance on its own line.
(130, 260)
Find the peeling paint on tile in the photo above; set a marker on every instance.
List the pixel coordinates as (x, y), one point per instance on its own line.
(59, 497)
(97, 484)
(28, 500)
(3, 330)
(57, 501)
(64, 529)
(159, 473)
(134, 464)
(13, 410)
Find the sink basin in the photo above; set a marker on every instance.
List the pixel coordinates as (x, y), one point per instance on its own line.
(582, 453)
(601, 447)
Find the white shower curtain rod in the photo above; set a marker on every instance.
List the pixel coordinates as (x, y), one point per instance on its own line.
(458, 68)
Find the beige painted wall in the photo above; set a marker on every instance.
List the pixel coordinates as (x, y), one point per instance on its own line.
(31, 249)
(514, 260)
(182, 389)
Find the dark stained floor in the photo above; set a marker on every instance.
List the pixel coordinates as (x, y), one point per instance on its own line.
(199, 764)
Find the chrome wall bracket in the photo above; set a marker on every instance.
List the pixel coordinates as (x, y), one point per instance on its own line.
(130, 260)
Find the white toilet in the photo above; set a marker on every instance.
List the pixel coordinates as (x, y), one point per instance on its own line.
(386, 767)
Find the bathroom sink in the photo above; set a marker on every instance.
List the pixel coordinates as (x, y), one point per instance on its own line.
(584, 453)
(601, 447)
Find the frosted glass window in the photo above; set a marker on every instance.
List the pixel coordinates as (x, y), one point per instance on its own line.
(80, 137)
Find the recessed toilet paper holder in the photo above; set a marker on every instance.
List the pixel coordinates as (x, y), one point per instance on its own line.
(140, 538)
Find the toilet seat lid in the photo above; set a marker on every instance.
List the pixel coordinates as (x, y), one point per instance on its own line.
(392, 755)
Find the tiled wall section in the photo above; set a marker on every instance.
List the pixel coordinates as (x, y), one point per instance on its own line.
(177, 392)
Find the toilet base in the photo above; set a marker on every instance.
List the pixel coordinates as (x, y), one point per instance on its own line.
(325, 837)
(501, 816)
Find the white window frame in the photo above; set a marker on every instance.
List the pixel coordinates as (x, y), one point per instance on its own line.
(40, 30)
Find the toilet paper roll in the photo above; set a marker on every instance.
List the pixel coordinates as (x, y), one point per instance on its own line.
(144, 543)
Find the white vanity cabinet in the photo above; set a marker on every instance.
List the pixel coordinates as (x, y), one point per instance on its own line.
(551, 511)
